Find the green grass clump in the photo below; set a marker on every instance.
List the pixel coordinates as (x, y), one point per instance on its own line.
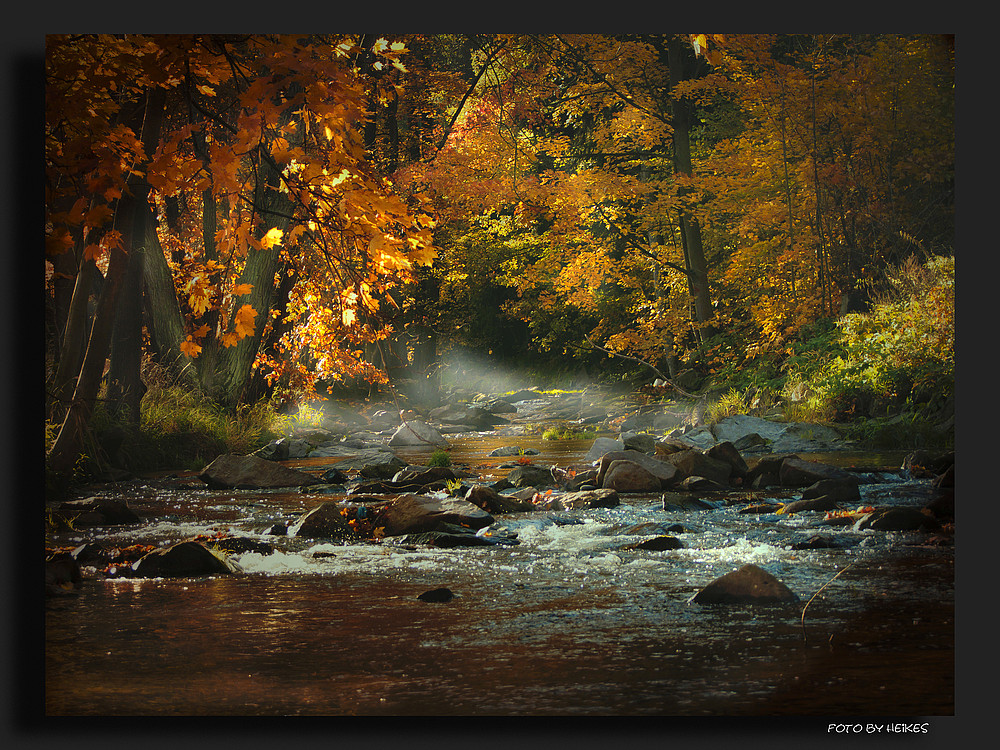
(439, 458)
(567, 433)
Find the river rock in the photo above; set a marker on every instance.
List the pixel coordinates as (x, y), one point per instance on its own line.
(284, 449)
(897, 519)
(334, 476)
(844, 489)
(376, 465)
(748, 585)
(928, 463)
(98, 511)
(581, 480)
(683, 501)
(815, 542)
(663, 470)
(415, 433)
(781, 437)
(421, 476)
(183, 560)
(230, 471)
(325, 521)
(946, 479)
(765, 471)
(638, 441)
(942, 506)
(439, 595)
(694, 463)
(824, 502)
(530, 475)
(657, 544)
(727, 453)
(626, 476)
(602, 446)
(701, 484)
(602, 498)
(447, 540)
(512, 450)
(796, 472)
(62, 574)
(412, 514)
(667, 445)
(493, 502)
(238, 545)
(501, 406)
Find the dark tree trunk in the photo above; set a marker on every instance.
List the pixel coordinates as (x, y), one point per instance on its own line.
(74, 342)
(125, 386)
(233, 371)
(70, 441)
(681, 63)
(164, 321)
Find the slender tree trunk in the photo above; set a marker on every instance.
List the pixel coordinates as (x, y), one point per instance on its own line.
(164, 321)
(679, 60)
(233, 372)
(70, 441)
(125, 386)
(74, 342)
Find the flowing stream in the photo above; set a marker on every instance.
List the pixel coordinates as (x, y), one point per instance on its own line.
(566, 622)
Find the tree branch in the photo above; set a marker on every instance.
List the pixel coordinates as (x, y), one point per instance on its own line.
(663, 377)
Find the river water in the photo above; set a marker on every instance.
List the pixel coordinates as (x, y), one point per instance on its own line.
(566, 622)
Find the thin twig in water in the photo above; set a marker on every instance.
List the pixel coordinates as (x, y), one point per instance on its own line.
(803, 619)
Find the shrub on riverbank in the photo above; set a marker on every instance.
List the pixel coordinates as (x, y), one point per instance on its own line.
(178, 428)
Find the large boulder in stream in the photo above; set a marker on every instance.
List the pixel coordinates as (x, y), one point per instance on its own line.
(780, 437)
(493, 502)
(326, 521)
(531, 475)
(796, 472)
(664, 471)
(694, 463)
(231, 471)
(627, 476)
(602, 446)
(602, 498)
(418, 434)
(898, 519)
(183, 560)
(412, 514)
(748, 585)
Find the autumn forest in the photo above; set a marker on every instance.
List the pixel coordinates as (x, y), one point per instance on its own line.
(258, 218)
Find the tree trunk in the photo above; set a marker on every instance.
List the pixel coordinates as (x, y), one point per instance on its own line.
(232, 375)
(164, 321)
(125, 386)
(74, 342)
(69, 442)
(680, 61)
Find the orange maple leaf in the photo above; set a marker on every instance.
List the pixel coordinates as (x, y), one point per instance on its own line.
(190, 348)
(243, 324)
(272, 238)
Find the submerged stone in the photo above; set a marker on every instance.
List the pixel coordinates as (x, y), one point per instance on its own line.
(748, 585)
(183, 560)
(437, 595)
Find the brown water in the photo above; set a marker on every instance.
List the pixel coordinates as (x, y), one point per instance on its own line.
(565, 623)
